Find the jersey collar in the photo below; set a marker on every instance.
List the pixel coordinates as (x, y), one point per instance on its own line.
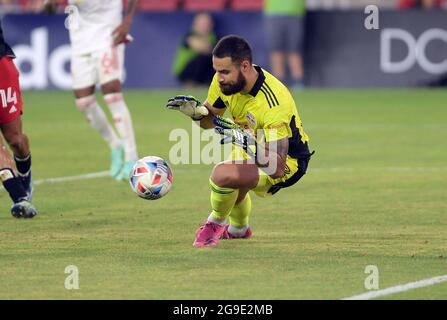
(259, 82)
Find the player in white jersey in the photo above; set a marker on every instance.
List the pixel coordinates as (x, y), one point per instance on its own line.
(98, 34)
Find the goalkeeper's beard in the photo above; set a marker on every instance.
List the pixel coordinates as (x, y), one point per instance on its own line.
(238, 86)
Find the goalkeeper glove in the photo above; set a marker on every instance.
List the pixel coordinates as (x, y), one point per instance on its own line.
(224, 123)
(233, 134)
(189, 106)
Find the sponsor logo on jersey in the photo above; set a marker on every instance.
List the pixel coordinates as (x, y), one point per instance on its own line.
(251, 119)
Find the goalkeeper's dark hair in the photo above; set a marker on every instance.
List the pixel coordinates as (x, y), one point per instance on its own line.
(235, 47)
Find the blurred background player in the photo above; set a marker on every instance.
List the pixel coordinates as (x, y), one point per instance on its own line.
(34, 6)
(426, 4)
(19, 187)
(193, 65)
(97, 34)
(256, 101)
(285, 34)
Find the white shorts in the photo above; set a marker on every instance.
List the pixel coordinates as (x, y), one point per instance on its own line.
(99, 67)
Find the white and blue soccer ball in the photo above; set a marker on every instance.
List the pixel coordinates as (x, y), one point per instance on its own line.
(151, 178)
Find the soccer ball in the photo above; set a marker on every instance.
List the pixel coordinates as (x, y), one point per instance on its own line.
(151, 178)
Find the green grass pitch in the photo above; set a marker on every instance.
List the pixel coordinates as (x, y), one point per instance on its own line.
(375, 194)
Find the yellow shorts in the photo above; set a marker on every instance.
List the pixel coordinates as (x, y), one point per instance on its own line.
(266, 182)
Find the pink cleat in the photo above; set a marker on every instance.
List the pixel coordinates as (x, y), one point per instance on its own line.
(208, 235)
(227, 235)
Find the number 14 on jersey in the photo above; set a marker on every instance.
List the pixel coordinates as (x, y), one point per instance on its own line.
(8, 96)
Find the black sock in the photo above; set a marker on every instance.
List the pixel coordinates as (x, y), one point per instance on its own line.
(15, 189)
(23, 165)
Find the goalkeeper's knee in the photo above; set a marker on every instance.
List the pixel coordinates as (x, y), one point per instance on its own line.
(231, 175)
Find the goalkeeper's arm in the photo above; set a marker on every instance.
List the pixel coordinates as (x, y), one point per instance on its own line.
(271, 158)
(207, 121)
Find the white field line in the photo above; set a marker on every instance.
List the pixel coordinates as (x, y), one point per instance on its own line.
(102, 174)
(87, 176)
(399, 288)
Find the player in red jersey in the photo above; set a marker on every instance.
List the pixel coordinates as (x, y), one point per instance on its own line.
(15, 174)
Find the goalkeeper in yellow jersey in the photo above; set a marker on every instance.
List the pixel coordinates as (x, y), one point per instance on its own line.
(270, 146)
